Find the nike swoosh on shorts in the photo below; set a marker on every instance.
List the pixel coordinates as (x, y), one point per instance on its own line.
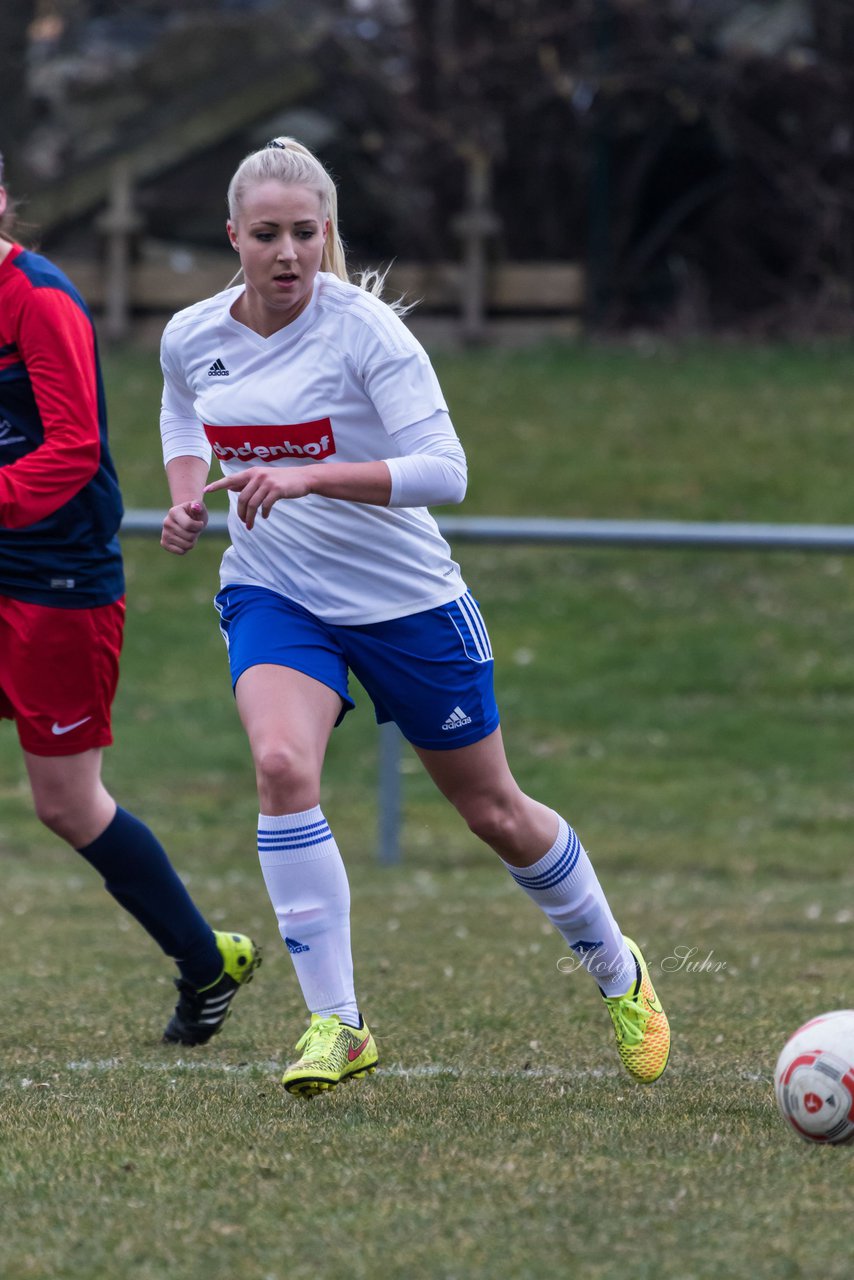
(59, 729)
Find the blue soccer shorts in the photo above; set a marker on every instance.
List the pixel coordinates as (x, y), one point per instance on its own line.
(430, 672)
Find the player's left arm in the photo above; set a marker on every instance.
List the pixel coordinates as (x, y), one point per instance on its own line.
(57, 345)
(430, 471)
(260, 488)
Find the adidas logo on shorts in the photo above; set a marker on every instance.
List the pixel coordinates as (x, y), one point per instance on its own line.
(456, 719)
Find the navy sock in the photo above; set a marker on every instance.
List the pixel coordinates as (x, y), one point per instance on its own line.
(138, 874)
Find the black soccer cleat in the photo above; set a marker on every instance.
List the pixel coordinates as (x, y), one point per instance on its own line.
(200, 1013)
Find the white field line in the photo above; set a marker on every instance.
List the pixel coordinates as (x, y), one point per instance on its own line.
(426, 1071)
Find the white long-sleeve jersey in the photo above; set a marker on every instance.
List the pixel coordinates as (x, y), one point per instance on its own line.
(336, 385)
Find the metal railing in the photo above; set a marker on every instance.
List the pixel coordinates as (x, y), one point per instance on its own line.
(609, 533)
(673, 534)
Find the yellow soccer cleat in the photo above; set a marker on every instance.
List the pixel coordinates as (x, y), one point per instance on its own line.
(640, 1024)
(331, 1052)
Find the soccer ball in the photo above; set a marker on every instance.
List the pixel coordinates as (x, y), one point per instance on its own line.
(814, 1078)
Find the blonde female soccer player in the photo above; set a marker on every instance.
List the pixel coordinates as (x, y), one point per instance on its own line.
(334, 438)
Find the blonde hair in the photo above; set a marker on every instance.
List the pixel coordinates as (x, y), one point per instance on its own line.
(288, 161)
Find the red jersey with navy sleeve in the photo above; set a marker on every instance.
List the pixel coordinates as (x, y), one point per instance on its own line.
(60, 504)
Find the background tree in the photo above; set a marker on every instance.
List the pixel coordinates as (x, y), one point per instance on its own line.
(15, 20)
(696, 155)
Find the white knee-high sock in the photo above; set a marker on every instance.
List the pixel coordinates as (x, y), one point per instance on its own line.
(564, 885)
(310, 893)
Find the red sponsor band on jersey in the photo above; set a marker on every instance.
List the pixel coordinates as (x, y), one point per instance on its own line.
(272, 443)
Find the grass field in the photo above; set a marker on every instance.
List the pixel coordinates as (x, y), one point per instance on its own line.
(690, 713)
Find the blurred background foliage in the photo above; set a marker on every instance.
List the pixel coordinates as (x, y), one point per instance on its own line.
(696, 156)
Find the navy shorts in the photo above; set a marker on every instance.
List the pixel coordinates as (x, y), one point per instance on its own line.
(430, 672)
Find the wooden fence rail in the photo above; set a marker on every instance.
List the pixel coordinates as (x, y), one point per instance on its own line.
(512, 288)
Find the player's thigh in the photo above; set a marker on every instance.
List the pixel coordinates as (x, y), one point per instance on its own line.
(287, 669)
(288, 717)
(69, 796)
(478, 782)
(477, 770)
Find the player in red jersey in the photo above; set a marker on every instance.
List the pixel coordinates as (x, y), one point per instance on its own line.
(61, 621)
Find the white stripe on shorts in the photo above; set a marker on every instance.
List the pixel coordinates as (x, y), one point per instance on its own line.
(477, 632)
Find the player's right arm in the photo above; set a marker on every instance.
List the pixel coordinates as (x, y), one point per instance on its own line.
(187, 517)
(187, 457)
(56, 343)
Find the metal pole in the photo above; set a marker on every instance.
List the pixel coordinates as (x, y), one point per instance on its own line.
(603, 533)
(389, 795)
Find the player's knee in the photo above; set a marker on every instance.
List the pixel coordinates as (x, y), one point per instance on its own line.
(55, 812)
(284, 772)
(491, 820)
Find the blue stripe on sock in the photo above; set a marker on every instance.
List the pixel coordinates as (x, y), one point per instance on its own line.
(281, 838)
(554, 874)
(294, 837)
(302, 844)
(286, 831)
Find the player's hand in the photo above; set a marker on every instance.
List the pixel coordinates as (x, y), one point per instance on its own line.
(260, 487)
(182, 526)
